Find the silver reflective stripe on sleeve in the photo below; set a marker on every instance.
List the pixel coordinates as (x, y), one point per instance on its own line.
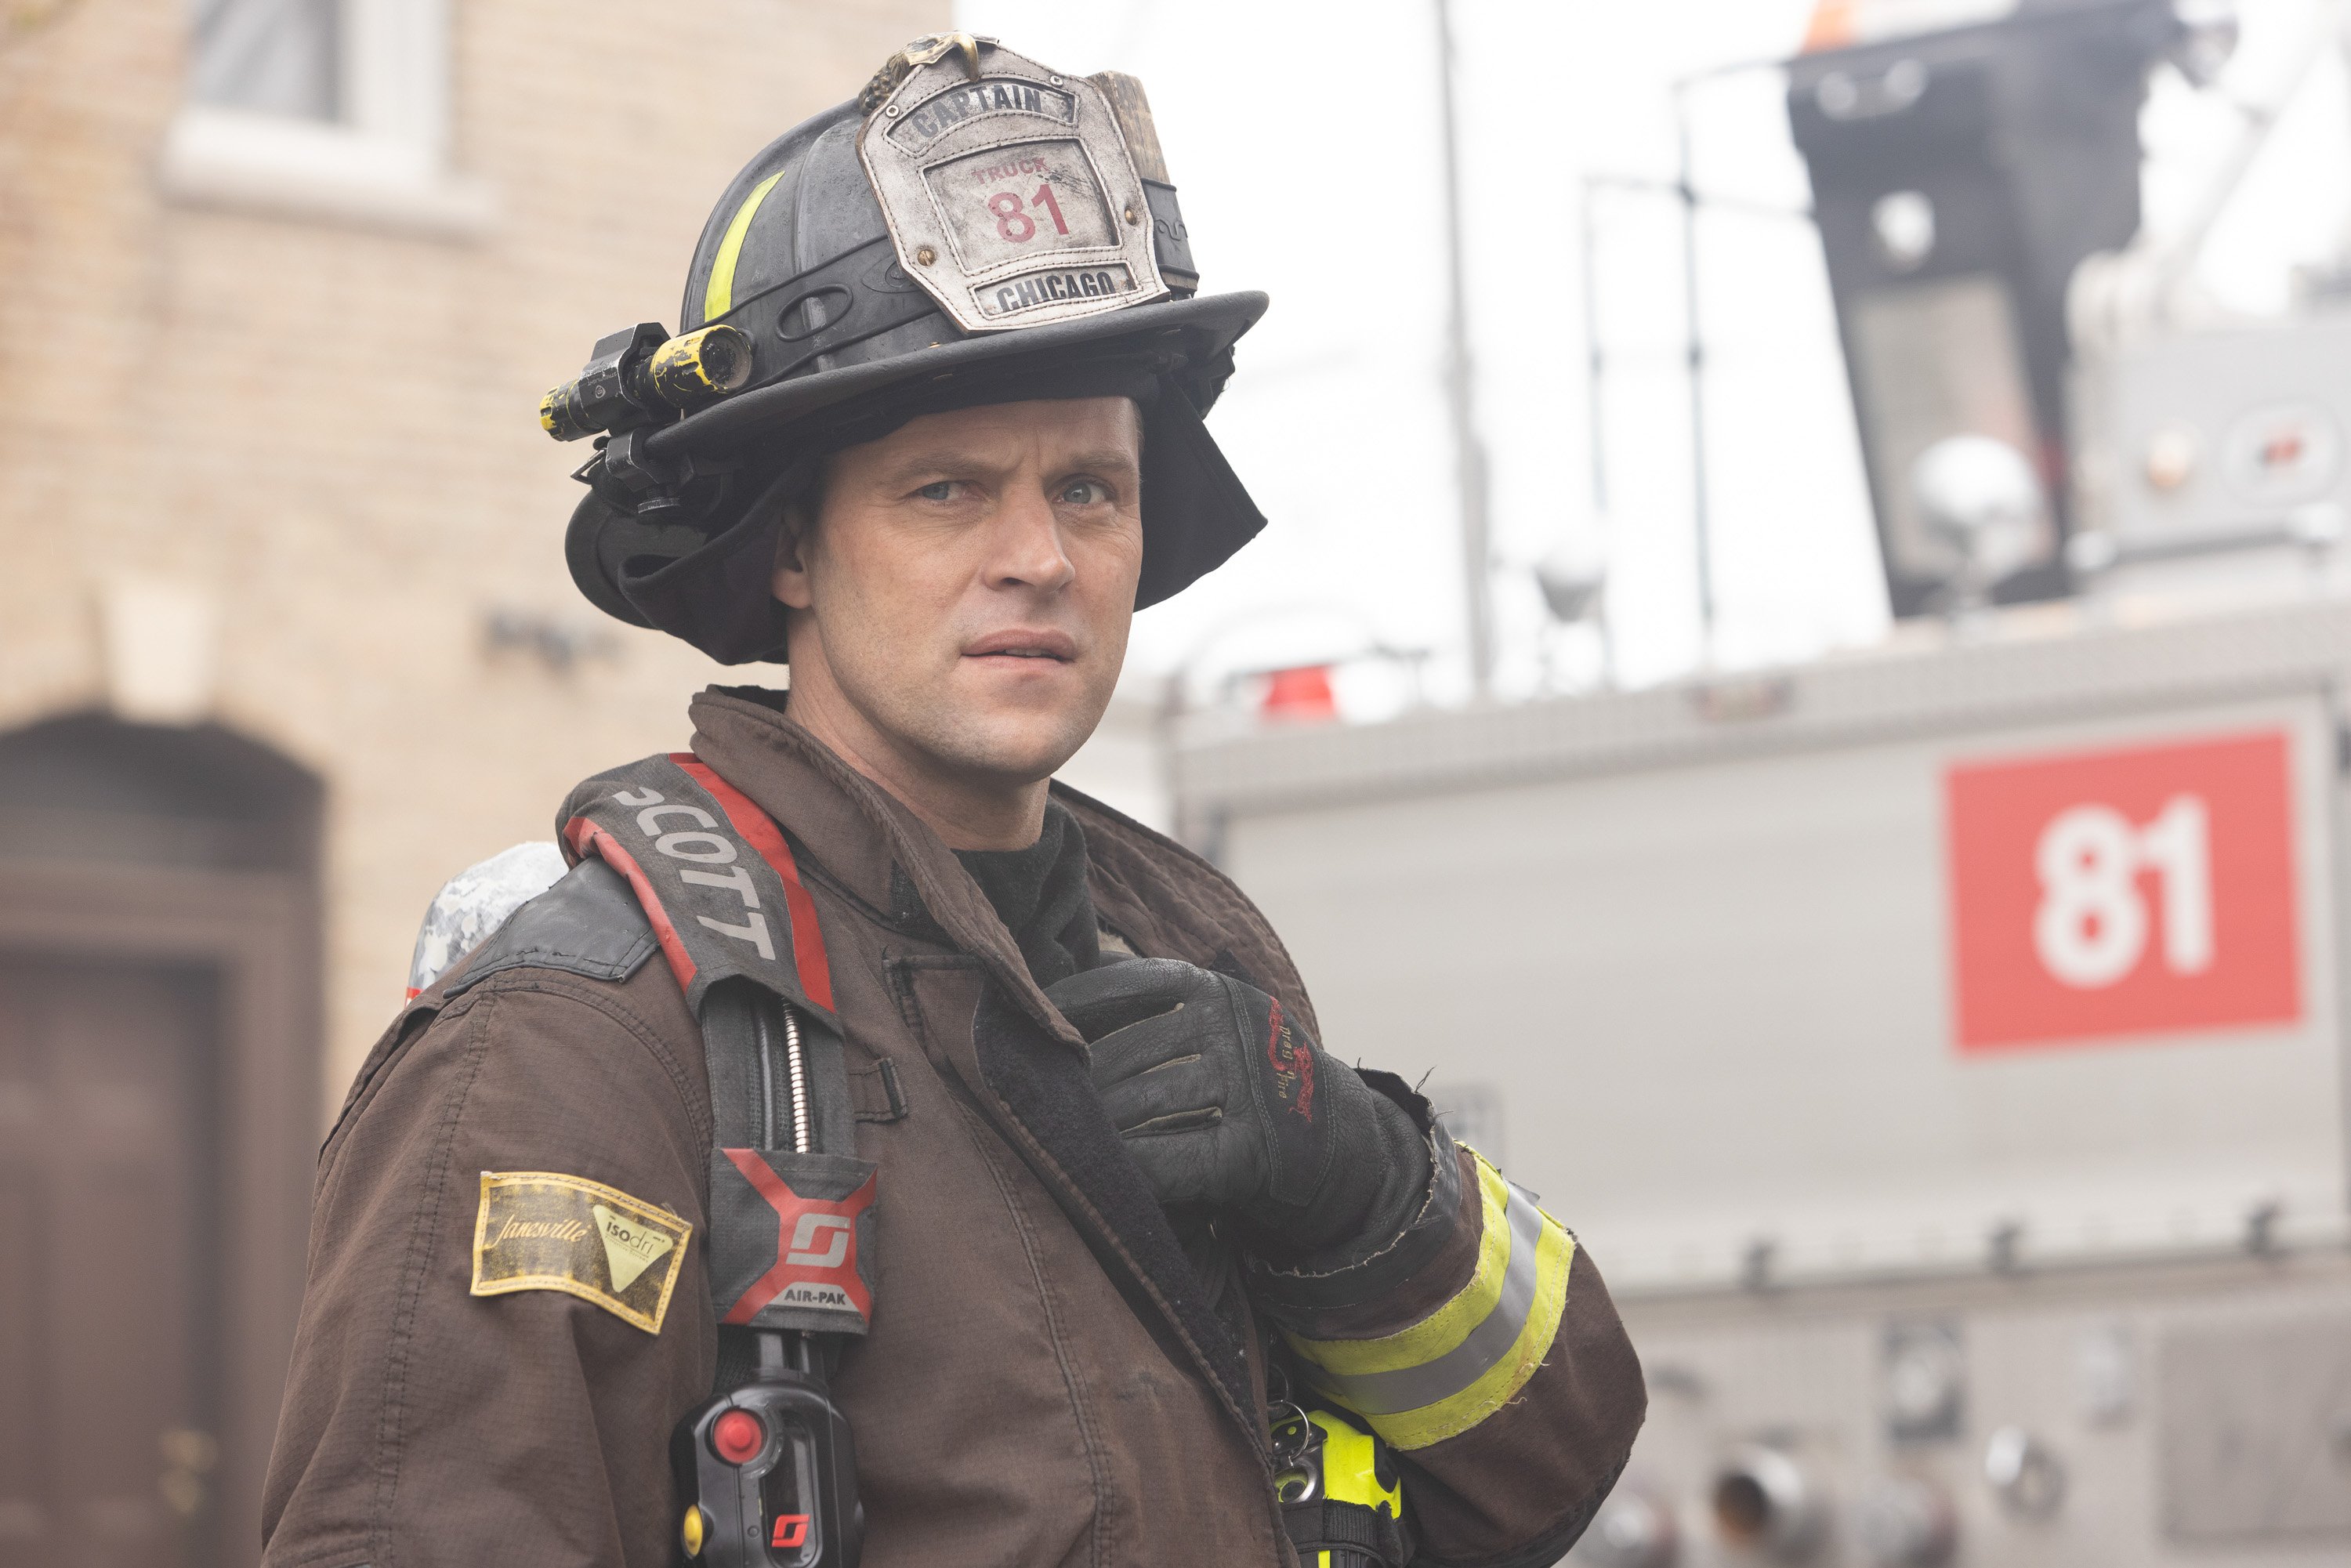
(1433, 1382)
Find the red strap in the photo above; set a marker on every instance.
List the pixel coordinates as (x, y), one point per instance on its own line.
(586, 839)
(759, 829)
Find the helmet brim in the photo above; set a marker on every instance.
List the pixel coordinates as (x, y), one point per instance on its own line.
(1205, 327)
(711, 590)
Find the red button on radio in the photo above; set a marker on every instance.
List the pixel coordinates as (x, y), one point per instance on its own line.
(737, 1435)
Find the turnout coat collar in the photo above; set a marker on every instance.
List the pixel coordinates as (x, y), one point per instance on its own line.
(1153, 891)
(861, 834)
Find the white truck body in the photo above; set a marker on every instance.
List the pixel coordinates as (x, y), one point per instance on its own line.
(1765, 986)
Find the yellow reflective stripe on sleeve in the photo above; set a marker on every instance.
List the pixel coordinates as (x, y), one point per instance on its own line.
(1444, 1328)
(1449, 1381)
(1501, 1382)
(719, 297)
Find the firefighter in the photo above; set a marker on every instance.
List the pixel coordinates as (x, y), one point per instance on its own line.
(1105, 1256)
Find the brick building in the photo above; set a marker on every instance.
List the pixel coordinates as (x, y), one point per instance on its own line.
(286, 636)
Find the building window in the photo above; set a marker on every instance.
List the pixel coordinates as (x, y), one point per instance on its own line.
(334, 110)
(273, 56)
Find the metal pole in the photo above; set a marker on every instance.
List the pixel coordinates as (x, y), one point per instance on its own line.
(1595, 359)
(1700, 528)
(1470, 457)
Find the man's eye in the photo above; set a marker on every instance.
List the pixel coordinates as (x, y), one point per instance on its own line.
(942, 491)
(1084, 493)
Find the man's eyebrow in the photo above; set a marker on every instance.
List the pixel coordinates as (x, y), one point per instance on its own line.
(952, 460)
(1109, 459)
(938, 459)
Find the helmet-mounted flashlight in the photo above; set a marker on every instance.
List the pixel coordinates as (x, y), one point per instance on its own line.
(644, 376)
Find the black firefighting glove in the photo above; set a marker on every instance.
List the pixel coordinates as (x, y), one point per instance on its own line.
(1228, 1105)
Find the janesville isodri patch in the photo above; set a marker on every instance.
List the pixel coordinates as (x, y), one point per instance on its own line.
(537, 1230)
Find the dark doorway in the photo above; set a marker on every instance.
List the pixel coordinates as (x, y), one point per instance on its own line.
(106, 1160)
(158, 1109)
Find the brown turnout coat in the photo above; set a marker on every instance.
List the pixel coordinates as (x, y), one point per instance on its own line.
(1048, 1379)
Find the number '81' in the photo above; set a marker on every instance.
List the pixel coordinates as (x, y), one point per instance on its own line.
(1013, 223)
(2092, 926)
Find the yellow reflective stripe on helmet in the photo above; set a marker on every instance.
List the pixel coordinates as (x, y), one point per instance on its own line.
(1415, 1398)
(719, 297)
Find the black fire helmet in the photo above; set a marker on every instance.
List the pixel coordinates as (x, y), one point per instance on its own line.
(975, 228)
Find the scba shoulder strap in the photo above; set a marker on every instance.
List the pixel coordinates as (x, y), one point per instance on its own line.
(714, 873)
(791, 1206)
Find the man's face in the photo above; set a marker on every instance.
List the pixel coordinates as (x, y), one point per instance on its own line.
(967, 586)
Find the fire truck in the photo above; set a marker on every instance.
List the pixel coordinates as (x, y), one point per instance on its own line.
(1939, 1048)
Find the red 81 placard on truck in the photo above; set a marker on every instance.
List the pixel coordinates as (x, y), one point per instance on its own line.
(2139, 890)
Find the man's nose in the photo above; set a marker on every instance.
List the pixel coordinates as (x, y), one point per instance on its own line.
(1027, 545)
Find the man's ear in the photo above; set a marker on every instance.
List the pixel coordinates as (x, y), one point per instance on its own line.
(790, 583)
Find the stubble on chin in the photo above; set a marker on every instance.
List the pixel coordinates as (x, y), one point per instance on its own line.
(955, 732)
(1009, 744)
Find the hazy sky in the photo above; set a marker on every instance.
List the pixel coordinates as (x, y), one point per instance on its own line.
(1306, 150)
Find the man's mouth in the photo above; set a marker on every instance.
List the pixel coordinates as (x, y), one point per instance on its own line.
(1055, 647)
